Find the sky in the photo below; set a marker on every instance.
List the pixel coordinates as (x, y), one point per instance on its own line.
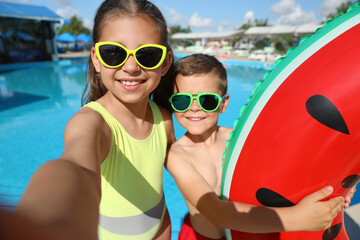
(208, 15)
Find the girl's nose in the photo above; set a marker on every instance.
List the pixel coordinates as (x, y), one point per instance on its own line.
(131, 66)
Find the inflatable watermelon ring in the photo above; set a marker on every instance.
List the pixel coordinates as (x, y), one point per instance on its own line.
(300, 130)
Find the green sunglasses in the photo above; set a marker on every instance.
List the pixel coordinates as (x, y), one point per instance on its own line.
(114, 55)
(209, 102)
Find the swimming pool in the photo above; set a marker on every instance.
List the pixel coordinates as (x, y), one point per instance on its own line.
(36, 103)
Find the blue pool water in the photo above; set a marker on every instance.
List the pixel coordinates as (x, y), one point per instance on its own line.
(36, 103)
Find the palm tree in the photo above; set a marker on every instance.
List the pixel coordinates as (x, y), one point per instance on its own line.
(341, 9)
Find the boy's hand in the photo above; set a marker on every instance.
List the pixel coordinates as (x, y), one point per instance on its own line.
(349, 196)
(316, 215)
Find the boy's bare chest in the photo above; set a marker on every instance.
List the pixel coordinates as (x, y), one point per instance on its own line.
(209, 165)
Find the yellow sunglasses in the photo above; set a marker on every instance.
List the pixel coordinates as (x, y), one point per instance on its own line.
(114, 55)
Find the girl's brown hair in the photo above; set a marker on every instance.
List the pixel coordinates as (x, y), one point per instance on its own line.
(94, 88)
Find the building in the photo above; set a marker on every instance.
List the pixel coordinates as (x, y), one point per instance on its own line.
(246, 39)
(205, 37)
(27, 33)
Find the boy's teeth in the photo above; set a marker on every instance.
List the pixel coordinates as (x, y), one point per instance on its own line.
(130, 83)
(195, 119)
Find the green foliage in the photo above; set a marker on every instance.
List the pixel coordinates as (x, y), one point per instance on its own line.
(341, 9)
(76, 27)
(179, 29)
(258, 23)
(260, 44)
(249, 24)
(283, 43)
(246, 26)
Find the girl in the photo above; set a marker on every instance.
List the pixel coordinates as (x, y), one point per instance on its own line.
(116, 144)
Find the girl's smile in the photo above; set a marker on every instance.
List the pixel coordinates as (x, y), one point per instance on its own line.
(131, 85)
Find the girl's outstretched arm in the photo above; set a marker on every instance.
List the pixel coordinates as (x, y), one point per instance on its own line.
(62, 198)
(63, 195)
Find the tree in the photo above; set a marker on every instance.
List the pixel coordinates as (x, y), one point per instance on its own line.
(257, 22)
(179, 29)
(76, 27)
(260, 43)
(246, 25)
(341, 9)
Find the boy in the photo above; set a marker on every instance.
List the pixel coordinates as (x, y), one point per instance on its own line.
(195, 160)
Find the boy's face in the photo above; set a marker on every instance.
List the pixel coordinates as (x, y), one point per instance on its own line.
(195, 120)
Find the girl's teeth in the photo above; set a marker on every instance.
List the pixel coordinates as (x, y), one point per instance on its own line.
(130, 83)
(195, 119)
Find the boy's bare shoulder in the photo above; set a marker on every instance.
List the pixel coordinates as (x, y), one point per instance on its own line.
(180, 149)
(224, 132)
(179, 160)
(179, 146)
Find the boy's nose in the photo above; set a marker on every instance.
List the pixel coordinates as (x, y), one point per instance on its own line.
(194, 106)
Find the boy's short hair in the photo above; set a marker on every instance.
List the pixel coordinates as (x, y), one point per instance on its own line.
(202, 64)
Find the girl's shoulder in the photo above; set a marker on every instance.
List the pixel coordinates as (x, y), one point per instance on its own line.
(165, 113)
(168, 124)
(86, 118)
(87, 139)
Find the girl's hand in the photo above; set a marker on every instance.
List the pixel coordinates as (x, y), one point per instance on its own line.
(316, 215)
(349, 196)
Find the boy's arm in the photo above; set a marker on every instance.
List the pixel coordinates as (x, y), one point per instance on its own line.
(308, 215)
(349, 197)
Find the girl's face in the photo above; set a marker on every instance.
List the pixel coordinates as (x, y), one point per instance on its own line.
(130, 83)
(195, 120)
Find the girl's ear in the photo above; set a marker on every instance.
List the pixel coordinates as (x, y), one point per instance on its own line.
(95, 60)
(167, 63)
(224, 103)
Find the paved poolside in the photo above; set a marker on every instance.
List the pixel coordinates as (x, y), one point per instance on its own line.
(352, 221)
(70, 55)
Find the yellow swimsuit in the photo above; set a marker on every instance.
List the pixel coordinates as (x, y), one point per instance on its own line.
(132, 202)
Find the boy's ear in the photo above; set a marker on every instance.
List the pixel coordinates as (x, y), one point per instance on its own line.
(96, 62)
(167, 63)
(224, 103)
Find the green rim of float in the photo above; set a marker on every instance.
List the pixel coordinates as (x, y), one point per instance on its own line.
(264, 89)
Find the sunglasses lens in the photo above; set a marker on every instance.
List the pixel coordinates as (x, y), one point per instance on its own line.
(180, 102)
(149, 56)
(209, 102)
(112, 55)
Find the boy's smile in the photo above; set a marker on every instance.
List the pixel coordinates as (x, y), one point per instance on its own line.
(195, 119)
